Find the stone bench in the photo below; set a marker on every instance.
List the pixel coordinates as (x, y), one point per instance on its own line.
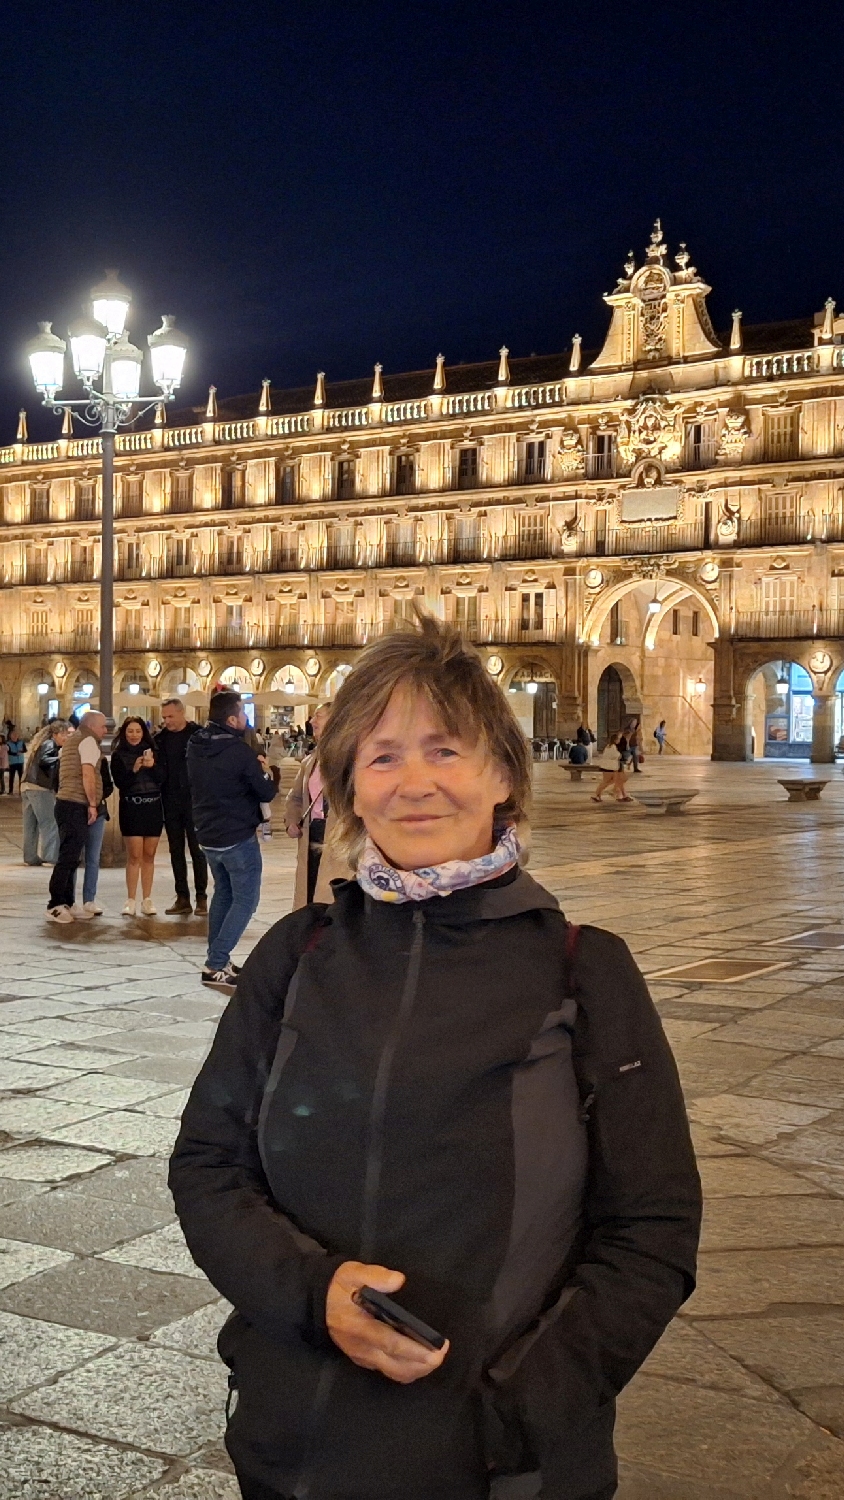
(663, 802)
(576, 772)
(802, 790)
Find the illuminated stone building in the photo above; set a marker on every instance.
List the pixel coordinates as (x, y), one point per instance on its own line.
(657, 529)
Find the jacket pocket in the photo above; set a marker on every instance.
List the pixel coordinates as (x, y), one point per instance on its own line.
(504, 1441)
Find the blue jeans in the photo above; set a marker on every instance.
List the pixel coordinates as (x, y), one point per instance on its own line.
(39, 823)
(237, 891)
(93, 849)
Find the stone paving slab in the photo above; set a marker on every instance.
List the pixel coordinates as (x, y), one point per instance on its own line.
(152, 1398)
(102, 1297)
(39, 1464)
(33, 1352)
(67, 1220)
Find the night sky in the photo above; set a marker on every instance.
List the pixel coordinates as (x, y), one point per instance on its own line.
(320, 186)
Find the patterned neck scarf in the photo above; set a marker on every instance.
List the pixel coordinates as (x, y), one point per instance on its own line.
(381, 881)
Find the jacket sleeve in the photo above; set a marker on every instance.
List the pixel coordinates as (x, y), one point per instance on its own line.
(276, 1276)
(294, 804)
(121, 773)
(637, 1263)
(256, 778)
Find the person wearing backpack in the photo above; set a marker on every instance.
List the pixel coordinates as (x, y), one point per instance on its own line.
(660, 734)
(436, 1088)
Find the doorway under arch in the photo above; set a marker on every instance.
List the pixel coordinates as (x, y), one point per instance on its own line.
(779, 711)
(618, 701)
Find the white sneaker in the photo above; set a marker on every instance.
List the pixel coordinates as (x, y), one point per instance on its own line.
(93, 908)
(81, 913)
(60, 914)
(148, 907)
(129, 910)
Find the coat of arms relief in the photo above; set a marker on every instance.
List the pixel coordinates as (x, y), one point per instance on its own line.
(652, 430)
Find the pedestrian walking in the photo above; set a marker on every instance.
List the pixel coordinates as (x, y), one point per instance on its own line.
(660, 735)
(78, 803)
(38, 794)
(138, 777)
(17, 754)
(616, 776)
(307, 818)
(4, 763)
(171, 746)
(634, 744)
(374, 1114)
(228, 785)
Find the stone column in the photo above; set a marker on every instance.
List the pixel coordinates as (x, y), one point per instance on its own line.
(823, 729)
(730, 730)
(571, 693)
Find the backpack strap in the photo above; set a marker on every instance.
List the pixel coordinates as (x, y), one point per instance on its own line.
(569, 954)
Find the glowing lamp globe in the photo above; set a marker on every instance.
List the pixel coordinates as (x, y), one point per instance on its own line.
(88, 339)
(46, 360)
(110, 302)
(123, 369)
(168, 349)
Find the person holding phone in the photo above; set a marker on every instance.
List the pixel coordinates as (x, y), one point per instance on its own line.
(138, 776)
(435, 1095)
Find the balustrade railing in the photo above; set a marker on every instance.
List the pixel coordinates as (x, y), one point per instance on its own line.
(536, 395)
(463, 406)
(351, 416)
(405, 411)
(772, 366)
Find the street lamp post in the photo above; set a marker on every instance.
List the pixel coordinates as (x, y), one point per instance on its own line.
(101, 352)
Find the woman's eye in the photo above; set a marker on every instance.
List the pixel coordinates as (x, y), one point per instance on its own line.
(445, 752)
(383, 760)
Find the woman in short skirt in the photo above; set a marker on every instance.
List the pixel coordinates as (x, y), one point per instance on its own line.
(138, 777)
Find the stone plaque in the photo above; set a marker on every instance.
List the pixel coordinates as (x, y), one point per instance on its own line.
(658, 504)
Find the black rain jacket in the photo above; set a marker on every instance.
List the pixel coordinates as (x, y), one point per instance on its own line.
(227, 784)
(439, 1087)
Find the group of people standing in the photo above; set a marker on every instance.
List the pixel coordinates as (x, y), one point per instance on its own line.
(206, 786)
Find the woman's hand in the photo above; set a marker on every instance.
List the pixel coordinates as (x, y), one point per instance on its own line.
(148, 758)
(366, 1341)
(141, 761)
(294, 831)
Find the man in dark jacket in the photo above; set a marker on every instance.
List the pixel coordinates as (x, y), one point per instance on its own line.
(525, 1160)
(228, 785)
(171, 744)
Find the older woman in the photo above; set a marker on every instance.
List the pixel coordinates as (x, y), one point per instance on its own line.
(38, 794)
(438, 1089)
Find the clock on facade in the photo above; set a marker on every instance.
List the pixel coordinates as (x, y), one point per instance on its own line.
(494, 666)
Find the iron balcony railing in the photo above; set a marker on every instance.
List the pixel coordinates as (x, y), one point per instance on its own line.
(788, 624)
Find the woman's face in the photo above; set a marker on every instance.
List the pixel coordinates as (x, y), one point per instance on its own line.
(425, 796)
(134, 734)
(59, 736)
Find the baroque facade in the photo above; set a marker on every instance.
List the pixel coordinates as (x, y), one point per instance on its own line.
(658, 529)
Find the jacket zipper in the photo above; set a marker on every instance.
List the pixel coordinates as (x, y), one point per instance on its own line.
(372, 1176)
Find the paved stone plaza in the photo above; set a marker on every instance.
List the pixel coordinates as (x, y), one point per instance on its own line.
(109, 1383)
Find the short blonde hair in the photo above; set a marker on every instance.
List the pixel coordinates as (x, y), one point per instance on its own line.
(430, 658)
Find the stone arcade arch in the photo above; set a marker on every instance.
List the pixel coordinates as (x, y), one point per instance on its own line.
(737, 662)
(669, 590)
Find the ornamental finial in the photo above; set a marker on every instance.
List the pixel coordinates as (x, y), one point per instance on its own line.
(439, 373)
(657, 250)
(319, 393)
(211, 408)
(503, 366)
(735, 336)
(21, 437)
(377, 384)
(574, 362)
(265, 404)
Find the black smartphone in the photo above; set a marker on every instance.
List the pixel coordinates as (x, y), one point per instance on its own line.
(382, 1307)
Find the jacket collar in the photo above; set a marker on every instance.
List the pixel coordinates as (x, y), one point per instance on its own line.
(509, 896)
